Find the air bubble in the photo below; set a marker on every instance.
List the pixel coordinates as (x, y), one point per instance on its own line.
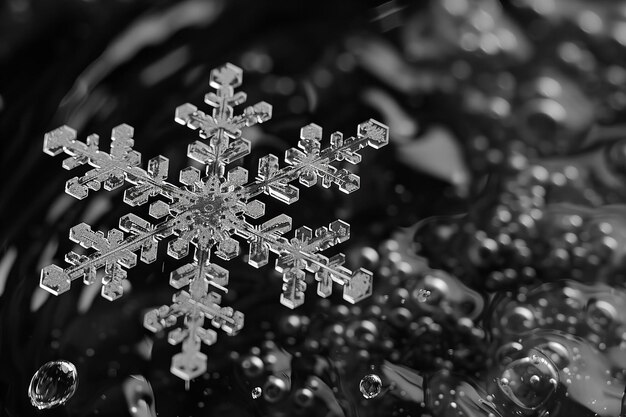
(256, 392)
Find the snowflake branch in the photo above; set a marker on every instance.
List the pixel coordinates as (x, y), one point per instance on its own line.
(110, 250)
(271, 180)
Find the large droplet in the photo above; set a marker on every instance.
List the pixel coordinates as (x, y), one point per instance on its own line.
(529, 382)
(370, 386)
(53, 384)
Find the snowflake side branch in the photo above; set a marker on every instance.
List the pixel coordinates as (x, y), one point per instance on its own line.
(111, 169)
(222, 128)
(195, 306)
(300, 253)
(110, 251)
(309, 162)
(198, 300)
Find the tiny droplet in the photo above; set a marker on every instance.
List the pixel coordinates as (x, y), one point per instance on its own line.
(53, 384)
(370, 386)
(422, 295)
(256, 392)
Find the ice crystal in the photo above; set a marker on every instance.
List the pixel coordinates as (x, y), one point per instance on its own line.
(210, 211)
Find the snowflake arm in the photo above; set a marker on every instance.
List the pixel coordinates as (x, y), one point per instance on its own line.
(309, 163)
(222, 128)
(110, 169)
(195, 306)
(111, 253)
(301, 253)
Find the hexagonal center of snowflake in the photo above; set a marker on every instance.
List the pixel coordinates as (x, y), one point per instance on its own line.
(215, 210)
(209, 206)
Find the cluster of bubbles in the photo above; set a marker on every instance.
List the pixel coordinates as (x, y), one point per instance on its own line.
(555, 346)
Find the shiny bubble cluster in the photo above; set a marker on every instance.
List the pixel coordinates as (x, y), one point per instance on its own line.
(398, 323)
(596, 313)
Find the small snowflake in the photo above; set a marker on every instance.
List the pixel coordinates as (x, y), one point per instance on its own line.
(210, 211)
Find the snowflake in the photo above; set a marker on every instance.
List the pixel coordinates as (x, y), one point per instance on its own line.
(209, 211)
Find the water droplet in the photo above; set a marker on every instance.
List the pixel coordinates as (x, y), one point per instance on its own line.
(274, 389)
(53, 384)
(370, 386)
(529, 382)
(519, 319)
(556, 352)
(252, 366)
(601, 314)
(304, 397)
(256, 392)
(422, 295)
